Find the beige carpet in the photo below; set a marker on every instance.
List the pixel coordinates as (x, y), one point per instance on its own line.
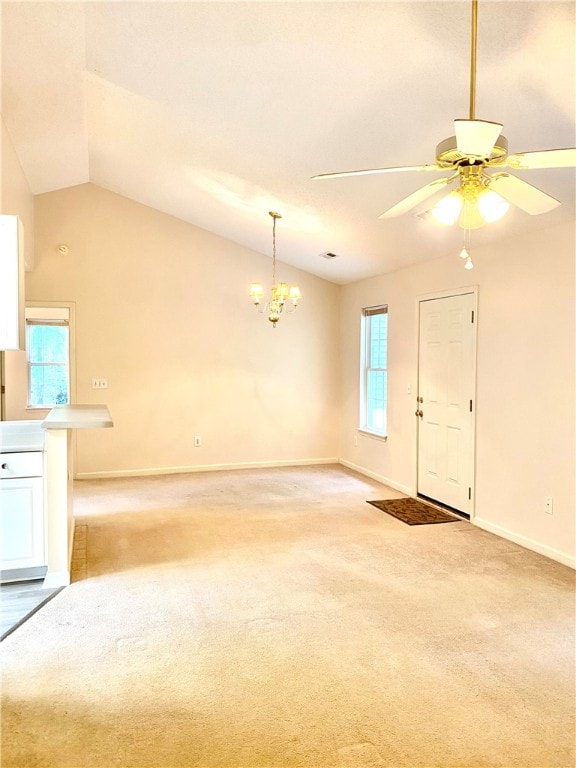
(264, 619)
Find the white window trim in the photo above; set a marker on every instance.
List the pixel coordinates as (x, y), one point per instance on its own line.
(374, 435)
(364, 344)
(56, 310)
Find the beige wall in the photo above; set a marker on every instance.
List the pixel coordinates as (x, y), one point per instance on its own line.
(162, 312)
(16, 197)
(525, 382)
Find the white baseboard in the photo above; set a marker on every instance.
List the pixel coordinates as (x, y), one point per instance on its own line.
(202, 468)
(377, 477)
(524, 541)
(56, 579)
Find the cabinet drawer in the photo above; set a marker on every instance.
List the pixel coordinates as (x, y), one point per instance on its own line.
(21, 464)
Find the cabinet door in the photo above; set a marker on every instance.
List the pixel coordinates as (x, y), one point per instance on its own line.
(21, 523)
(11, 283)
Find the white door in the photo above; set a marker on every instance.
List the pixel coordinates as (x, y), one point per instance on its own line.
(446, 387)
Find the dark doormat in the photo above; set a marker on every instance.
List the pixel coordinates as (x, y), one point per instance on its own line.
(414, 512)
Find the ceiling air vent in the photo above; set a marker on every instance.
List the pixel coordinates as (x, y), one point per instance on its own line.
(328, 255)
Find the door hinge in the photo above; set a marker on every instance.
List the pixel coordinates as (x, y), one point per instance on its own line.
(470, 406)
(469, 494)
(472, 316)
(3, 390)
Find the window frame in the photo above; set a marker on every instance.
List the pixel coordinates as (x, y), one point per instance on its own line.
(52, 313)
(366, 368)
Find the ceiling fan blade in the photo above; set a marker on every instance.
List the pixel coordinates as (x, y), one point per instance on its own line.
(416, 197)
(476, 137)
(370, 171)
(524, 195)
(547, 158)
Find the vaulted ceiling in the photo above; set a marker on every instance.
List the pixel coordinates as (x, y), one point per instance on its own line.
(217, 112)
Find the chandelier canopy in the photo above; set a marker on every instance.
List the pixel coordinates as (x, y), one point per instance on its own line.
(283, 298)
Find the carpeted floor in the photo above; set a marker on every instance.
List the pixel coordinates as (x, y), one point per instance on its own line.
(273, 619)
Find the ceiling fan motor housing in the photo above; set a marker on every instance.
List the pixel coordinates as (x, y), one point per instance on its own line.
(448, 155)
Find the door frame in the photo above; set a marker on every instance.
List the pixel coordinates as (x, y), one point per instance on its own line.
(469, 289)
(2, 386)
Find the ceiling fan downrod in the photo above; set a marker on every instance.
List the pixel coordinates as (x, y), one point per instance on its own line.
(474, 43)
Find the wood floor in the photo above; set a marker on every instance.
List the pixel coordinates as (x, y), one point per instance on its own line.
(19, 600)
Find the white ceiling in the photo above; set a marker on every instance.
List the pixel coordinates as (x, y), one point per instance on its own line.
(219, 112)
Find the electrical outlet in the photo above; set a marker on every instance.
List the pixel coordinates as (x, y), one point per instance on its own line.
(549, 505)
(99, 383)
(355, 439)
(197, 441)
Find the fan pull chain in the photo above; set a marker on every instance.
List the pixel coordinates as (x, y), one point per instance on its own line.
(468, 263)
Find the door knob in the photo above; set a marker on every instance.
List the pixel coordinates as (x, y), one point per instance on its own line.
(420, 413)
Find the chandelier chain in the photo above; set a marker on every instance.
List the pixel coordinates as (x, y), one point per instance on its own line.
(274, 251)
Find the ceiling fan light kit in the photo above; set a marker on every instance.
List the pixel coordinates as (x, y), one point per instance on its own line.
(472, 205)
(477, 147)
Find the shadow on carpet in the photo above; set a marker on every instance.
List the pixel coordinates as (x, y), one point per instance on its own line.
(414, 512)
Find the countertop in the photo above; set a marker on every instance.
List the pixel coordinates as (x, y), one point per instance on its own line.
(78, 417)
(28, 435)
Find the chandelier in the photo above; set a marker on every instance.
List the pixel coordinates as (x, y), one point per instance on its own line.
(283, 298)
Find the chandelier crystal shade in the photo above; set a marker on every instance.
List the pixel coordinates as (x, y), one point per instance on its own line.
(283, 298)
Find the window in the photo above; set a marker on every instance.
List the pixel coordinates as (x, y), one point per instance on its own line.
(48, 355)
(374, 370)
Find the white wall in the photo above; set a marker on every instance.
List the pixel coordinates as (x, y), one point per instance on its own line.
(15, 195)
(525, 387)
(162, 312)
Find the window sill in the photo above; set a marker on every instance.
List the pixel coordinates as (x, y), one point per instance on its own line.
(374, 435)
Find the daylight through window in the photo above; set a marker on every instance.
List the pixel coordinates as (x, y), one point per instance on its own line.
(374, 370)
(47, 350)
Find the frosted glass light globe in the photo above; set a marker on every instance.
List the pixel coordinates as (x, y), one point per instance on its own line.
(447, 210)
(492, 206)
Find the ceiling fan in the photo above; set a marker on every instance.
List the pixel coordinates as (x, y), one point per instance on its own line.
(476, 148)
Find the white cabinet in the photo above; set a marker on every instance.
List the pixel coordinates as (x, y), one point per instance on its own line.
(11, 283)
(21, 511)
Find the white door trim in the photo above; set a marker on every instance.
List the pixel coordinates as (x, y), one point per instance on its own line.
(471, 289)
